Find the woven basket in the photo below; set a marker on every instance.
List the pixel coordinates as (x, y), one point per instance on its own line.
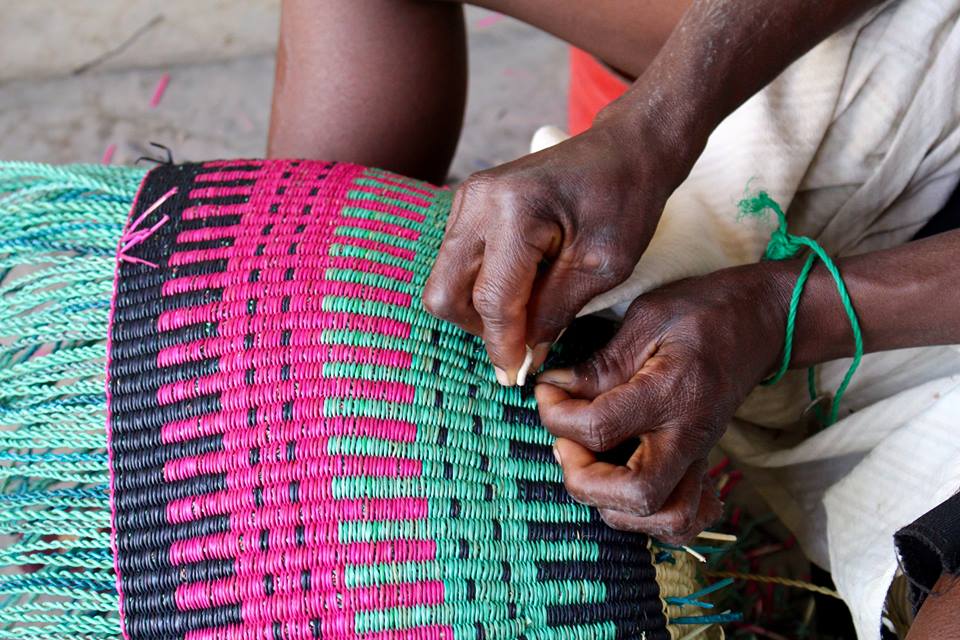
(297, 450)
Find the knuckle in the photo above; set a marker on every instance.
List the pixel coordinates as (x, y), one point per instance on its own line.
(680, 522)
(489, 303)
(549, 326)
(506, 196)
(616, 521)
(439, 302)
(497, 195)
(575, 490)
(603, 366)
(606, 262)
(713, 513)
(611, 519)
(594, 433)
(552, 418)
(473, 188)
(607, 426)
(672, 538)
(648, 497)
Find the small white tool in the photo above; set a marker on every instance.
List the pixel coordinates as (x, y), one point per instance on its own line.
(525, 367)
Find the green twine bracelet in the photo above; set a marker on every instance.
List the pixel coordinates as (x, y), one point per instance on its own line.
(783, 246)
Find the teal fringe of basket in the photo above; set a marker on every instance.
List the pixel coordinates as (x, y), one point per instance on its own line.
(58, 235)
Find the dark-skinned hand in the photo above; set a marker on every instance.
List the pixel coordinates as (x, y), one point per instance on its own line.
(529, 243)
(666, 384)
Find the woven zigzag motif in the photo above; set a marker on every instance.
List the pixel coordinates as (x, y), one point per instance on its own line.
(299, 451)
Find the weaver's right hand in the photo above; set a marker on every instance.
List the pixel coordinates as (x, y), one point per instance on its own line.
(530, 242)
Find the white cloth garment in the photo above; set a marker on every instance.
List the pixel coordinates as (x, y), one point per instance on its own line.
(859, 141)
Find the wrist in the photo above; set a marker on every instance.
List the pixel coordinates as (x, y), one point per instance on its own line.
(769, 300)
(657, 130)
(822, 330)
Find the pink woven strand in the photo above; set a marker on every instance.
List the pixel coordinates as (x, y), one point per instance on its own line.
(272, 386)
(394, 180)
(133, 226)
(314, 493)
(220, 191)
(309, 269)
(140, 236)
(236, 378)
(319, 538)
(290, 601)
(328, 560)
(237, 162)
(291, 516)
(108, 154)
(227, 175)
(303, 631)
(489, 20)
(396, 194)
(159, 90)
(233, 426)
(241, 474)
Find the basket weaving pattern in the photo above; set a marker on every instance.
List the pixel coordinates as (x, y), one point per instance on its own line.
(297, 450)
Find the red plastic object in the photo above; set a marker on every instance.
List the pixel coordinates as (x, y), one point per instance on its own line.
(593, 85)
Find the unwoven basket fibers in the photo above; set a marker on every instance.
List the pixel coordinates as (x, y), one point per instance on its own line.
(296, 448)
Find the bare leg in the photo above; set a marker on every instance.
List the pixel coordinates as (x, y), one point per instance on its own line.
(383, 82)
(377, 82)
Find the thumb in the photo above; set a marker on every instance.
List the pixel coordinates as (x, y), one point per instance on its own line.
(611, 366)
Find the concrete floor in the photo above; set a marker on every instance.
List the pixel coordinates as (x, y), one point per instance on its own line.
(221, 108)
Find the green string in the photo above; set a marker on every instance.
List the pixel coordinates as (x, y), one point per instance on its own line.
(783, 246)
(57, 254)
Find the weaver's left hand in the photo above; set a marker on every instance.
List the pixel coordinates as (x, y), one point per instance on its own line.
(669, 381)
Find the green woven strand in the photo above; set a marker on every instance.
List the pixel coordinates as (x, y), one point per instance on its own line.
(783, 246)
(382, 198)
(355, 576)
(377, 236)
(459, 451)
(425, 416)
(452, 382)
(390, 189)
(60, 229)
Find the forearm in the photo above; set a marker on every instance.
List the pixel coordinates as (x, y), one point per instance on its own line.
(625, 34)
(721, 53)
(908, 296)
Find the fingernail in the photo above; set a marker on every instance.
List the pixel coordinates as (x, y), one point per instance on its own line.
(525, 367)
(562, 377)
(540, 353)
(556, 455)
(501, 376)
